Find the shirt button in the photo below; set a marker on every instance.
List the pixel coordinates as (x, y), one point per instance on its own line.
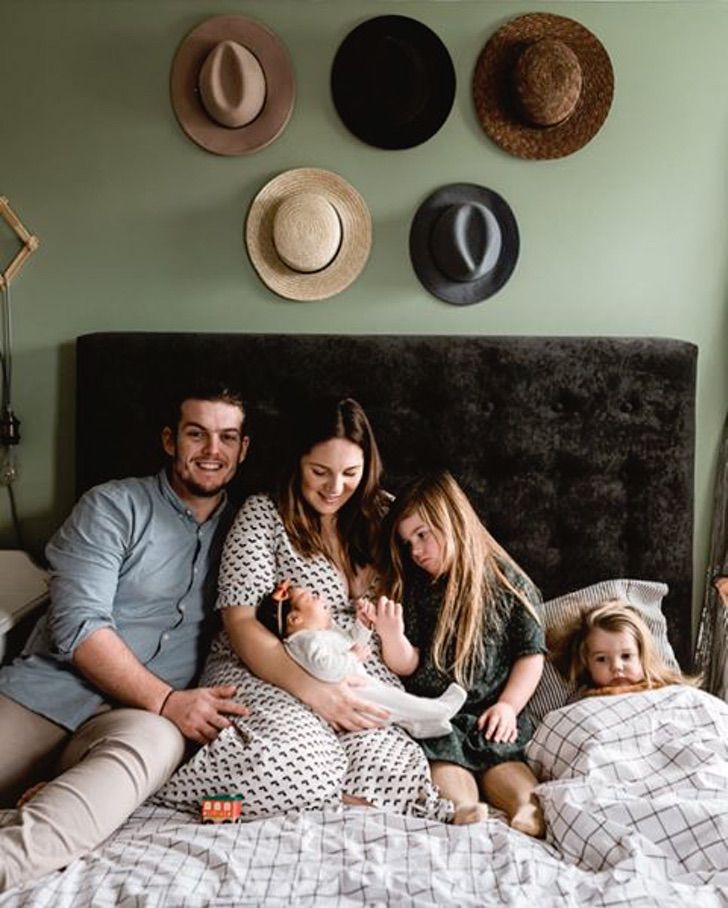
(182, 607)
(165, 636)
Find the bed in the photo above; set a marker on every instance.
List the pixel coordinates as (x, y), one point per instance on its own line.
(578, 452)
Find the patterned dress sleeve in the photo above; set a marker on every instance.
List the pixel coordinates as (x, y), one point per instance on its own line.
(248, 565)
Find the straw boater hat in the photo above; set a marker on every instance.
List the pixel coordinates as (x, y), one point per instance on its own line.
(464, 243)
(232, 85)
(543, 86)
(308, 234)
(393, 82)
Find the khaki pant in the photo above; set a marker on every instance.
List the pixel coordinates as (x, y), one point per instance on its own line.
(107, 768)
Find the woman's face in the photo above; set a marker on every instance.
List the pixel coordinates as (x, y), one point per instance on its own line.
(330, 474)
(425, 545)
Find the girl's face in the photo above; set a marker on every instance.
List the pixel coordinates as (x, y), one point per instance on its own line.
(613, 658)
(330, 474)
(425, 544)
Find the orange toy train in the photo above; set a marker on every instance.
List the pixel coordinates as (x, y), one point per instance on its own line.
(221, 808)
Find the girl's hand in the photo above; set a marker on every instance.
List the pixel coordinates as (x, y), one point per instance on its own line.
(498, 723)
(361, 651)
(388, 618)
(365, 612)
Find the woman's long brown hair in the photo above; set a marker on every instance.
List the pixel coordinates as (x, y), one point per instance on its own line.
(359, 519)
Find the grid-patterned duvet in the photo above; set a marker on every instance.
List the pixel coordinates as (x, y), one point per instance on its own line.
(637, 806)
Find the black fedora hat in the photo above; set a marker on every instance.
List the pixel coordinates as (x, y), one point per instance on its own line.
(464, 243)
(393, 82)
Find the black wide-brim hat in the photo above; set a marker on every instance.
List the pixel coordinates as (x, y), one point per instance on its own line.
(393, 82)
(464, 243)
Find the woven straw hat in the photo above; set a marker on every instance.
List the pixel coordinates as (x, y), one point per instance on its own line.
(393, 82)
(543, 86)
(308, 234)
(464, 243)
(232, 85)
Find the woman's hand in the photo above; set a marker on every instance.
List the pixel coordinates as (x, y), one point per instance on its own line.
(498, 723)
(342, 709)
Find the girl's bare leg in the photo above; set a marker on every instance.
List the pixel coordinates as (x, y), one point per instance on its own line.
(459, 785)
(510, 787)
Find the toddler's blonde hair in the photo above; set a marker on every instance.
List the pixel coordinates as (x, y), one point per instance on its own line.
(569, 647)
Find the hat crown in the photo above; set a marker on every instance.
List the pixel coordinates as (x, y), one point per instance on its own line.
(396, 80)
(232, 85)
(466, 241)
(307, 232)
(547, 80)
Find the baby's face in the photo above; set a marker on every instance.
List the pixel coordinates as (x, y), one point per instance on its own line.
(613, 658)
(309, 610)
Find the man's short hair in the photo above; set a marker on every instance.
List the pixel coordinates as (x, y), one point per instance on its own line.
(211, 390)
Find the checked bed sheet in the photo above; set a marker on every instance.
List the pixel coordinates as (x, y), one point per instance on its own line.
(641, 778)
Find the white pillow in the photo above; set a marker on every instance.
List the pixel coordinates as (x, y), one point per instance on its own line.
(644, 595)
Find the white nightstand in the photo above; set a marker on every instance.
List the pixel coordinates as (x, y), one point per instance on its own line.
(23, 586)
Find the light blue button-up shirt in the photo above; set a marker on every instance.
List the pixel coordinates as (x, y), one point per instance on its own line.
(131, 557)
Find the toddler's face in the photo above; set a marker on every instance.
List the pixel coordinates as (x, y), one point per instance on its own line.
(309, 610)
(424, 544)
(613, 658)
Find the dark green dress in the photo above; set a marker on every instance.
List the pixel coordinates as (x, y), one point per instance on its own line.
(518, 635)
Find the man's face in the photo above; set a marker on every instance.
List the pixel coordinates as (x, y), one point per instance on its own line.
(207, 448)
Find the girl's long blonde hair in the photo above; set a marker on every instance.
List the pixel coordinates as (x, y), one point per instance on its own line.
(569, 647)
(475, 565)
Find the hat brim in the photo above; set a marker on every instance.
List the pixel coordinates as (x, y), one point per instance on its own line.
(363, 112)
(280, 85)
(497, 108)
(356, 232)
(440, 285)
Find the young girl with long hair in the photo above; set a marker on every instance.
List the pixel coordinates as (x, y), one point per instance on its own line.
(469, 615)
(609, 649)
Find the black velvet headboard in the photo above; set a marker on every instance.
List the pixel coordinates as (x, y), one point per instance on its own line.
(578, 452)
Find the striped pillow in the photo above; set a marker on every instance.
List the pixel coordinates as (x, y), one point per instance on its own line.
(644, 595)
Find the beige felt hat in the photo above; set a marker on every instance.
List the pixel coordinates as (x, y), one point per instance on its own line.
(543, 86)
(232, 85)
(308, 234)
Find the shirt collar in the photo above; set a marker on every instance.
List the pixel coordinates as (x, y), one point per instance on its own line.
(169, 494)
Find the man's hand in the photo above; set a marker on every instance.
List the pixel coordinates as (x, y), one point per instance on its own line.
(498, 723)
(198, 713)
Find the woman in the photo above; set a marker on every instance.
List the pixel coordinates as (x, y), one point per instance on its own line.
(319, 532)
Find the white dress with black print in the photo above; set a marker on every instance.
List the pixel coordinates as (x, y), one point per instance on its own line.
(284, 757)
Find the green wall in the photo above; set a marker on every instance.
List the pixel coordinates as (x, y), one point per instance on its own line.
(141, 230)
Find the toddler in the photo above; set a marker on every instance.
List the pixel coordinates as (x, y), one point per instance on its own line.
(301, 619)
(609, 650)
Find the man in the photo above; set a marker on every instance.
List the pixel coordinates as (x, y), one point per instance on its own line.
(100, 690)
